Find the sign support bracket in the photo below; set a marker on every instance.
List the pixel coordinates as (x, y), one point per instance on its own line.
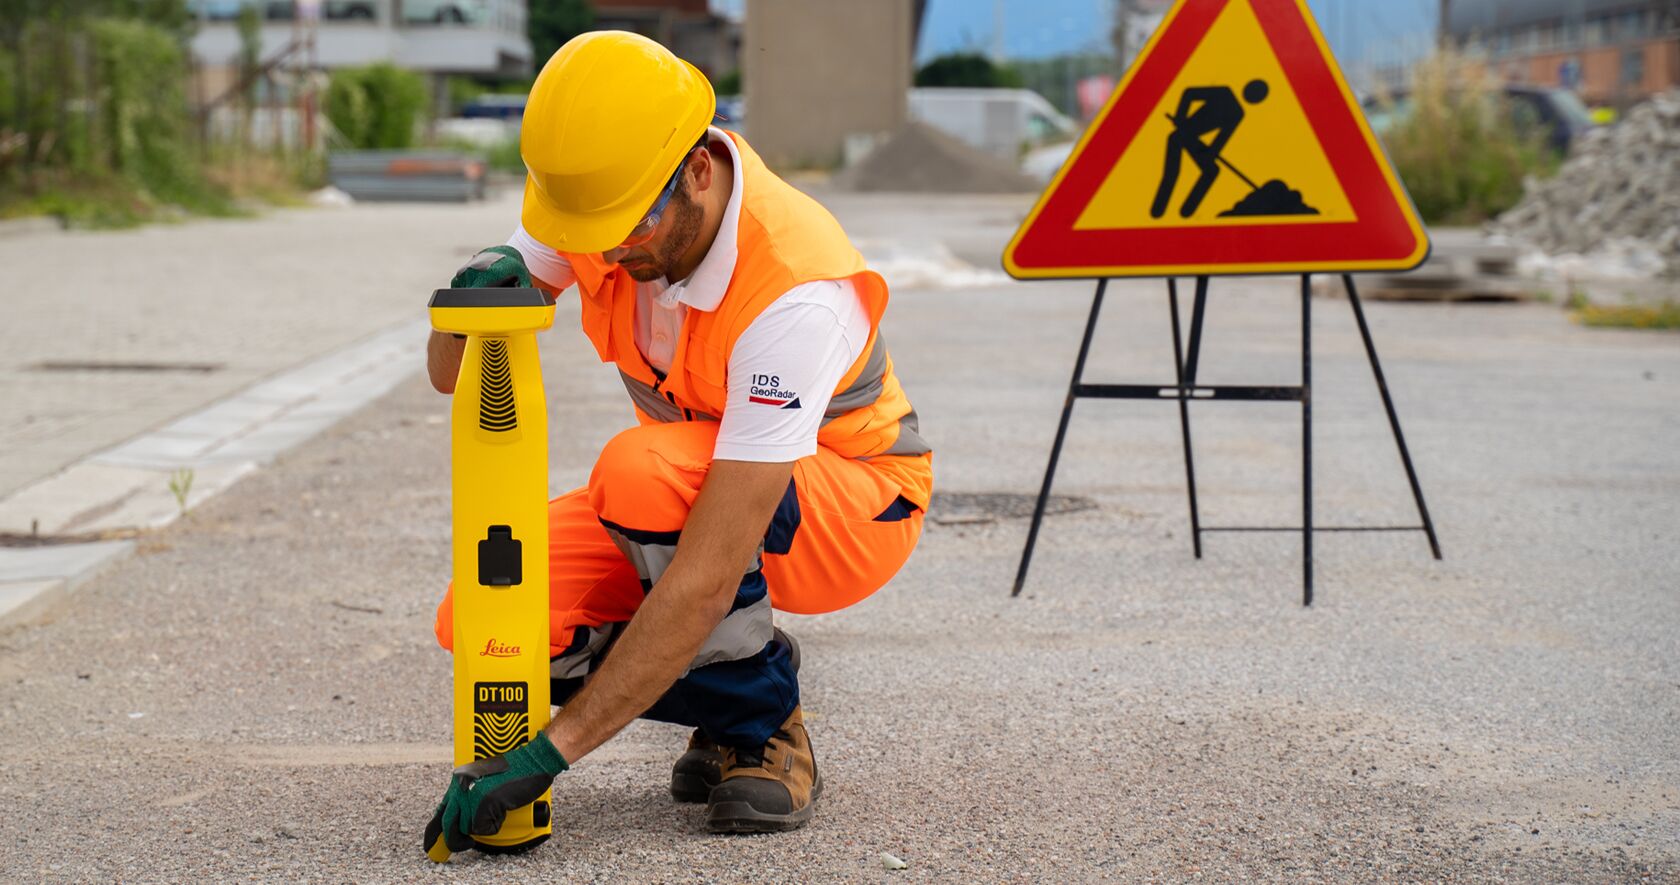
(1186, 358)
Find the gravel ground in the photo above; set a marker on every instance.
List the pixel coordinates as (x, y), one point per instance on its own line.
(256, 695)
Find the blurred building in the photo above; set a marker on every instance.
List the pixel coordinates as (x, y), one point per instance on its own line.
(1611, 52)
(688, 28)
(439, 37)
(818, 72)
(1135, 22)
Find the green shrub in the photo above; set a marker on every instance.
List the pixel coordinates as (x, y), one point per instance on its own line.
(504, 157)
(463, 91)
(376, 106)
(95, 127)
(145, 126)
(966, 69)
(729, 83)
(1460, 156)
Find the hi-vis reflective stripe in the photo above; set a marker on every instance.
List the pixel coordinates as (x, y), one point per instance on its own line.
(909, 440)
(658, 407)
(861, 393)
(867, 388)
(742, 633)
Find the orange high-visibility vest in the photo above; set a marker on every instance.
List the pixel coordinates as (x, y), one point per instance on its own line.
(785, 239)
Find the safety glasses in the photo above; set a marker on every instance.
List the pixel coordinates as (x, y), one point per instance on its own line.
(645, 229)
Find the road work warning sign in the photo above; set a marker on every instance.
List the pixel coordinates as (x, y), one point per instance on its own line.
(1232, 145)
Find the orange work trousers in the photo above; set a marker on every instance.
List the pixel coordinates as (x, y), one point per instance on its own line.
(841, 533)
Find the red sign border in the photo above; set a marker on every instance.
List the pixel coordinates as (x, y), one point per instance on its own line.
(1386, 235)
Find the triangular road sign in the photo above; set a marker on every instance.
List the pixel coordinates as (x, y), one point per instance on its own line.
(1232, 146)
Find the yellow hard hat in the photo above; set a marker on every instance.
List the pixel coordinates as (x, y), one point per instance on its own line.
(608, 120)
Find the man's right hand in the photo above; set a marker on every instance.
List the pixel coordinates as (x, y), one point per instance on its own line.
(498, 267)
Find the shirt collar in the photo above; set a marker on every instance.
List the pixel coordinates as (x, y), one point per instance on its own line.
(704, 289)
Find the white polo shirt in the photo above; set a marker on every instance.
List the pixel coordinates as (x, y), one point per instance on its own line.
(785, 365)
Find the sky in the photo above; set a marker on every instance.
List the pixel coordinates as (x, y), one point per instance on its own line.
(1361, 32)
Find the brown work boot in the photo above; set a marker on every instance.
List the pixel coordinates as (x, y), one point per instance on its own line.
(700, 767)
(769, 789)
(697, 771)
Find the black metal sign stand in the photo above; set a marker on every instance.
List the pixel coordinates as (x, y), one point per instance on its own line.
(1186, 389)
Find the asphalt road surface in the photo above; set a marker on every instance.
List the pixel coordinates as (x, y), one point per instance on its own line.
(255, 695)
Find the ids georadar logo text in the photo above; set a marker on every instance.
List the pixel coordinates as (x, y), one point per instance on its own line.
(767, 390)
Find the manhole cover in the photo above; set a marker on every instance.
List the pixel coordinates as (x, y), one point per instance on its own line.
(958, 508)
(108, 366)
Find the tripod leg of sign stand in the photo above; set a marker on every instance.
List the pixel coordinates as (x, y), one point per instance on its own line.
(1194, 357)
(1184, 408)
(1306, 441)
(1061, 434)
(1393, 417)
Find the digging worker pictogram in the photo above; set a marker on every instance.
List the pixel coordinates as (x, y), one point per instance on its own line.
(1202, 111)
(775, 464)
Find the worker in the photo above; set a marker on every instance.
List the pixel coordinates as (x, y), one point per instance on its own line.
(776, 464)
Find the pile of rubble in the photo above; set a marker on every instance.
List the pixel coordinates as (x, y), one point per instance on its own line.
(1618, 194)
(922, 159)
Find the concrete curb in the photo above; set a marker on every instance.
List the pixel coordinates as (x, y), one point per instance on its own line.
(21, 227)
(154, 479)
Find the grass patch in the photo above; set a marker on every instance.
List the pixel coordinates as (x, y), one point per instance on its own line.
(1457, 148)
(502, 156)
(236, 184)
(264, 177)
(91, 199)
(1665, 316)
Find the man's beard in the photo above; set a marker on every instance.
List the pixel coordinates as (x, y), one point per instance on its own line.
(683, 216)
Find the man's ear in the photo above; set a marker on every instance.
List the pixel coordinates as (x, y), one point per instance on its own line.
(700, 166)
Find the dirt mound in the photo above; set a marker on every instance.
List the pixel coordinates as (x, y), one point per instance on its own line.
(922, 159)
(1272, 198)
(1619, 189)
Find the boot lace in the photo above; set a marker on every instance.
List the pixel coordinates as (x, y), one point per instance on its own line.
(755, 758)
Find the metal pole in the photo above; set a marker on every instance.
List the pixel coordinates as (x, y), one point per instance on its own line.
(1194, 358)
(1184, 419)
(1393, 417)
(1306, 440)
(1061, 434)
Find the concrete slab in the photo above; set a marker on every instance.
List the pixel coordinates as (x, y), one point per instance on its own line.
(155, 505)
(264, 443)
(227, 418)
(127, 488)
(162, 450)
(50, 506)
(57, 561)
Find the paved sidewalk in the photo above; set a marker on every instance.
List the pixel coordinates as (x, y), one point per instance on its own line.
(256, 694)
(111, 334)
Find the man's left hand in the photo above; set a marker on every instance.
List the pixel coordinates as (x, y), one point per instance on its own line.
(498, 267)
(481, 794)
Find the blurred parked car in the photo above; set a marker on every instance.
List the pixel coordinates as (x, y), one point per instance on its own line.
(216, 10)
(1003, 122)
(444, 11)
(285, 10)
(1042, 163)
(733, 110)
(1555, 113)
(495, 106)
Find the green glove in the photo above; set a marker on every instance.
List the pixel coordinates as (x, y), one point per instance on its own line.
(498, 267)
(482, 793)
